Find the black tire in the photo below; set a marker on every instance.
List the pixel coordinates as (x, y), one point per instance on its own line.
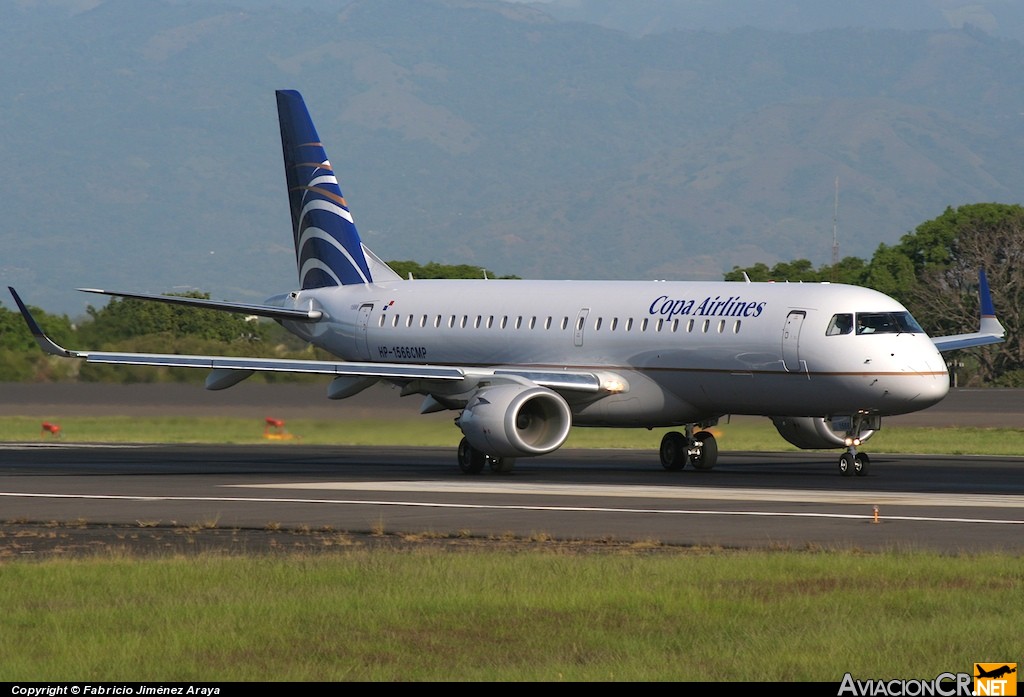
(471, 460)
(673, 451)
(860, 464)
(708, 456)
(846, 464)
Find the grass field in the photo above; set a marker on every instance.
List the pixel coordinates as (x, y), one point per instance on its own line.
(707, 615)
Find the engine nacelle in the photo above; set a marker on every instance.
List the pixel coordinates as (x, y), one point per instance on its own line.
(516, 420)
(810, 433)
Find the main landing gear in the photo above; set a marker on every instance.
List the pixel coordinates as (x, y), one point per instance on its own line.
(473, 461)
(698, 449)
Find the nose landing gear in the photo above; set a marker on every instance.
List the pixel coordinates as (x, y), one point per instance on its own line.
(852, 462)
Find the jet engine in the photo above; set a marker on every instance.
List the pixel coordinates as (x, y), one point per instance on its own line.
(512, 420)
(814, 432)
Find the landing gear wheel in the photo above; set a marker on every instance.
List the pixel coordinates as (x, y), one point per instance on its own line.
(471, 460)
(501, 465)
(673, 451)
(847, 464)
(860, 464)
(707, 451)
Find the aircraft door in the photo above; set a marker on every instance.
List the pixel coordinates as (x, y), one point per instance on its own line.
(581, 323)
(791, 340)
(362, 346)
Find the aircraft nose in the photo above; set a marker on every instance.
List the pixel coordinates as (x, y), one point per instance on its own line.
(920, 385)
(932, 389)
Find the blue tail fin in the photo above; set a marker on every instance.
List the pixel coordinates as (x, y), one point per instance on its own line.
(328, 250)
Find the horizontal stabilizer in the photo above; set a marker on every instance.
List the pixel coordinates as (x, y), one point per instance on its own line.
(241, 308)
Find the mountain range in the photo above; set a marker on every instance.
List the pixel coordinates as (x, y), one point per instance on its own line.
(140, 148)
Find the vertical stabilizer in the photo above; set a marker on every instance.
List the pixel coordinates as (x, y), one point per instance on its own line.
(328, 250)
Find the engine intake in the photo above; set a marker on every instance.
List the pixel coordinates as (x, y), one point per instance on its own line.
(516, 420)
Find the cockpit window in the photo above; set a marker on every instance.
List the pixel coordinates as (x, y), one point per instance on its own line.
(887, 323)
(840, 324)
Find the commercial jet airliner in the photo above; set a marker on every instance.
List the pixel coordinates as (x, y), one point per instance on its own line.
(521, 362)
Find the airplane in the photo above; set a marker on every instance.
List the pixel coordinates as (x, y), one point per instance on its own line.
(522, 361)
(995, 672)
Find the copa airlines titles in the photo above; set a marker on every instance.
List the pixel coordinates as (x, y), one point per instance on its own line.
(733, 306)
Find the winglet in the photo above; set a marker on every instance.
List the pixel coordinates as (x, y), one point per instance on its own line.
(38, 334)
(990, 330)
(987, 308)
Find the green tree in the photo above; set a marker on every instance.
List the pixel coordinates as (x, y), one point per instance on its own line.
(946, 253)
(125, 318)
(849, 270)
(891, 272)
(934, 272)
(434, 270)
(21, 359)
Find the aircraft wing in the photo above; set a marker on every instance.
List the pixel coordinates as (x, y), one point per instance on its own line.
(990, 331)
(579, 381)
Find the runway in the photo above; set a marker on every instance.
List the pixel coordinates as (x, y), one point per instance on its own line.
(948, 504)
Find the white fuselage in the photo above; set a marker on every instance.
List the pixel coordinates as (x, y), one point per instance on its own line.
(687, 350)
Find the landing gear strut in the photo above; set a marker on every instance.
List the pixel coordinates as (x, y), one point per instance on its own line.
(698, 449)
(852, 462)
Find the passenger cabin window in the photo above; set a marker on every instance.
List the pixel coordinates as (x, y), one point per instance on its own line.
(840, 324)
(887, 323)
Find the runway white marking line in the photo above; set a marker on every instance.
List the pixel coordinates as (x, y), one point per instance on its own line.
(676, 492)
(477, 506)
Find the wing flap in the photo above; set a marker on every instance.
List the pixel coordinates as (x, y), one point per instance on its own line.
(395, 371)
